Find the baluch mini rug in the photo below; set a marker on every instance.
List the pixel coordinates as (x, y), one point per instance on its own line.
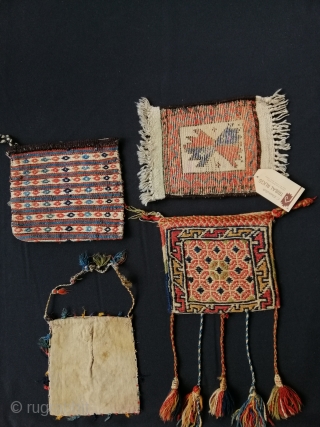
(67, 191)
(210, 150)
(222, 265)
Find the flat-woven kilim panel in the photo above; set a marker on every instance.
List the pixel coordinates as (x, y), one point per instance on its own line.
(210, 150)
(67, 191)
(219, 264)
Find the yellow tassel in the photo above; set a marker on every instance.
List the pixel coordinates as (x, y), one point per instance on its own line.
(191, 412)
(101, 314)
(59, 417)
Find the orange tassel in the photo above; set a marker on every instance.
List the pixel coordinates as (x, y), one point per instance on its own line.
(169, 407)
(192, 407)
(283, 402)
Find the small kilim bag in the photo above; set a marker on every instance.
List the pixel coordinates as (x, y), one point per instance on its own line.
(92, 359)
(66, 191)
(221, 265)
(210, 149)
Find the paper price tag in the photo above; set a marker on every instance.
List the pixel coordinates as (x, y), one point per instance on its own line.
(277, 188)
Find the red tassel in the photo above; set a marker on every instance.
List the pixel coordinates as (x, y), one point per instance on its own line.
(192, 406)
(283, 402)
(61, 291)
(168, 409)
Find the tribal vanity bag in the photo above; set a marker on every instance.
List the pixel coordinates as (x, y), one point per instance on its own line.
(210, 149)
(66, 191)
(221, 265)
(92, 358)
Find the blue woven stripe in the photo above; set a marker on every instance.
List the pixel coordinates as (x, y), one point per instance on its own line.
(27, 166)
(68, 174)
(65, 185)
(69, 236)
(71, 221)
(66, 151)
(72, 208)
(68, 197)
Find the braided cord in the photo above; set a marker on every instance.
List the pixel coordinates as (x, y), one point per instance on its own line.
(174, 351)
(223, 366)
(275, 352)
(199, 349)
(78, 276)
(253, 383)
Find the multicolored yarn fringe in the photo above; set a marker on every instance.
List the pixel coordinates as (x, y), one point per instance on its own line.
(170, 407)
(283, 402)
(193, 403)
(253, 412)
(221, 402)
(67, 191)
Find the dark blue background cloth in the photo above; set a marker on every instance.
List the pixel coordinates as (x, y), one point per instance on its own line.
(74, 70)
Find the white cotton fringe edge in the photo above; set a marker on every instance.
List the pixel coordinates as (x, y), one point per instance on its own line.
(150, 153)
(274, 131)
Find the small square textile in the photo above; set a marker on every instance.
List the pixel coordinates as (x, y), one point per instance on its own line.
(67, 191)
(93, 367)
(219, 264)
(210, 150)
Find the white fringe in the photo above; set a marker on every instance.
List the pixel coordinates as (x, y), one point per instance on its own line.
(277, 106)
(150, 153)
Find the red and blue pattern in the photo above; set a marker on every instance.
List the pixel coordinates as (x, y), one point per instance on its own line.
(67, 191)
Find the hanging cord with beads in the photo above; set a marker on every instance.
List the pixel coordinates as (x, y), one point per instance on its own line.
(99, 263)
(283, 402)
(253, 412)
(193, 404)
(221, 402)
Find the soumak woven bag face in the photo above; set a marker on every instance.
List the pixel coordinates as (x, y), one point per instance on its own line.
(210, 150)
(220, 265)
(67, 191)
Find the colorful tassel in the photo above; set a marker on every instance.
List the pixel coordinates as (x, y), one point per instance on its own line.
(193, 403)
(119, 258)
(101, 260)
(84, 261)
(283, 402)
(191, 411)
(253, 412)
(170, 406)
(221, 402)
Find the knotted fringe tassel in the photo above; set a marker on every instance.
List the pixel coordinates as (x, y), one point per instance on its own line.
(221, 402)
(170, 406)
(193, 403)
(253, 412)
(283, 401)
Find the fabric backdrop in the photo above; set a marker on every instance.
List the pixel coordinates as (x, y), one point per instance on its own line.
(74, 70)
